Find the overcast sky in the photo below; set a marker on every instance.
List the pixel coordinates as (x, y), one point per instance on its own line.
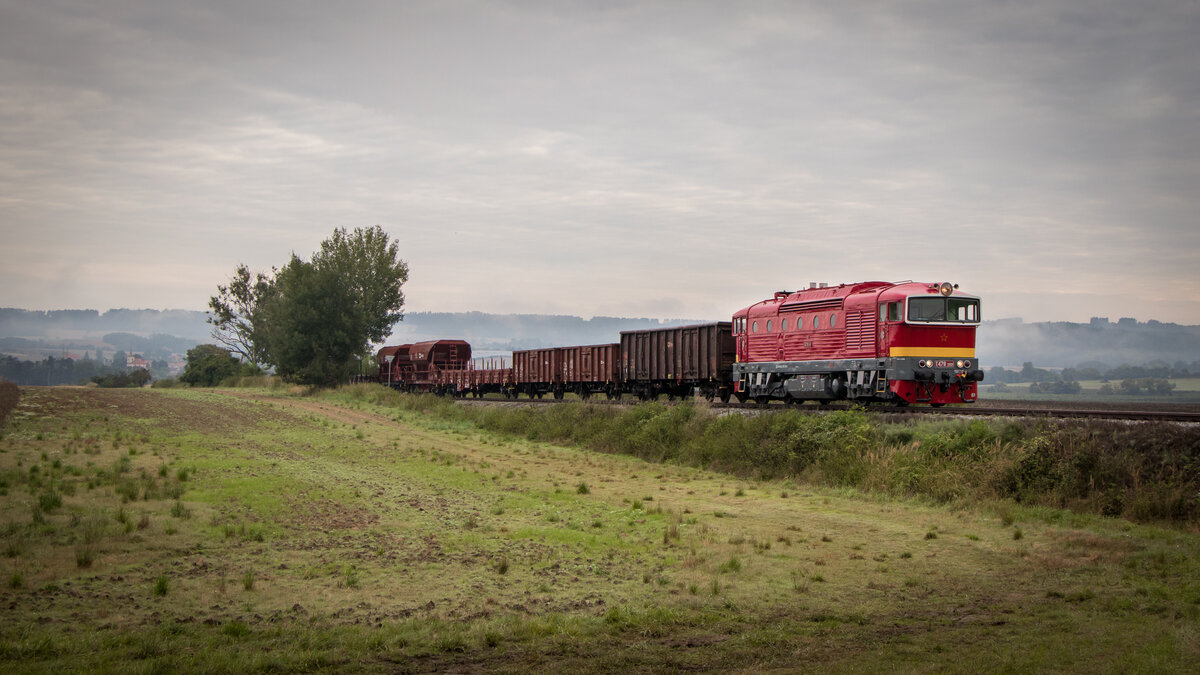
(667, 159)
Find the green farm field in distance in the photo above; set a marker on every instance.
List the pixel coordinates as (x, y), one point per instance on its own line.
(1186, 392)
(257, 531)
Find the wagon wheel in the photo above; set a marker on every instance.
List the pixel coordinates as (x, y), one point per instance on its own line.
(724, 396)
(763, 401)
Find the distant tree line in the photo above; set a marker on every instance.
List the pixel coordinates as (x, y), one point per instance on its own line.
(1155, 386)
(138, 377)
(1126, 380)
(51, 371)
(1094, 371)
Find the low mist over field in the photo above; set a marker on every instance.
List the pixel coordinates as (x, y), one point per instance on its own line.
(1008, 342)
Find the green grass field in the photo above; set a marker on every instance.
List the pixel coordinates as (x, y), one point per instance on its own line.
(250, 531)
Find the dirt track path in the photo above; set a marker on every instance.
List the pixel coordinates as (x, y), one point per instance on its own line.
(337, 412)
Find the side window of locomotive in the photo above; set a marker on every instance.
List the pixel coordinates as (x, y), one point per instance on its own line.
(833, 320)
(893, 311)
(816, 322)
(768, 325)
(783, 325)
(754, 327)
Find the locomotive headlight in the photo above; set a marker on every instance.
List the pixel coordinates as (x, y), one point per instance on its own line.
(959, 363)
(921, 363)
(946, 288)
(966, 364)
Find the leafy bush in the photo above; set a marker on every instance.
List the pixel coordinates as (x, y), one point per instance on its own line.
(134, 378)
(209, 365)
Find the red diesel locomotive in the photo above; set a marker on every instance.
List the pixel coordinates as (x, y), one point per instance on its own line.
(903, 342)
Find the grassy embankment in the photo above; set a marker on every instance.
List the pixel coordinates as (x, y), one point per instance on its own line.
(1146, 472)
(240, 531)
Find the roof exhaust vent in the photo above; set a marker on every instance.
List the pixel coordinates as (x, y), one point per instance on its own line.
(824, 285)
(812, 285)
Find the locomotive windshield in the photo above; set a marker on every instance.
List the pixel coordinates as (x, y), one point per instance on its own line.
(958, 310)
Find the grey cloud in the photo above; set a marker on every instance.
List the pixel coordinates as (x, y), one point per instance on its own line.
(614, 153)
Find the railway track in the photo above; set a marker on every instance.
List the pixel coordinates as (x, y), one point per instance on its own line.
(963, 411)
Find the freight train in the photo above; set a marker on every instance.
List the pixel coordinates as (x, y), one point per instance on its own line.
(874, 341)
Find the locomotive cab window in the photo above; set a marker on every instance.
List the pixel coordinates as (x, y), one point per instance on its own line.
(889, 311)
(956, 310)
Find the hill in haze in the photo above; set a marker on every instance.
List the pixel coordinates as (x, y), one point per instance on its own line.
(34, 335)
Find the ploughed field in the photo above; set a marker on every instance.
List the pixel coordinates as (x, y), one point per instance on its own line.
(249, 530)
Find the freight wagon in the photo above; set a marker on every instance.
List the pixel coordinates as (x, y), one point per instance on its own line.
(677, 361)
(418, 367)
(583, 370)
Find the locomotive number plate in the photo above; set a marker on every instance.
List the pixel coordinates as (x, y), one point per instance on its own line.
(943, 364)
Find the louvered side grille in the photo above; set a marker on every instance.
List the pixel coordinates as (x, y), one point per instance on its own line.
(811, 305)
(860, 331)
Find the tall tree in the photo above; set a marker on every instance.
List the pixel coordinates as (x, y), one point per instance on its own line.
(232, 314)
(313, 325)
(311, 318)
(369, 267)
